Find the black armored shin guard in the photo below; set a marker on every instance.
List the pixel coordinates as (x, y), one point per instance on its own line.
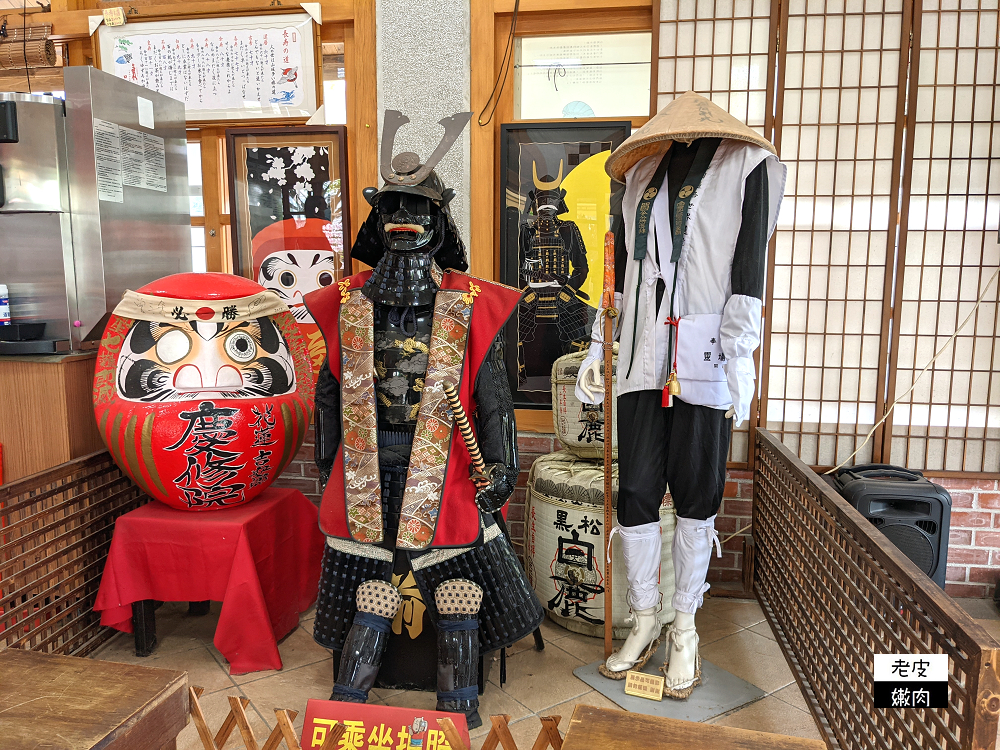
(458, 648)
(378, 602)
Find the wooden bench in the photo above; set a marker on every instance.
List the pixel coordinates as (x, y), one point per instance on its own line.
(609, 729)
(71, 703)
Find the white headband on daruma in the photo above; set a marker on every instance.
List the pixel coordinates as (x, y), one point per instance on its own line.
(138, 306)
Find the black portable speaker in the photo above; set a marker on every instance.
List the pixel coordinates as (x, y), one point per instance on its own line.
(913, 512)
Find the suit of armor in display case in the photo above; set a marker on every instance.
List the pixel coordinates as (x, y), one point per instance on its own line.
(702, 192)
(403, 495)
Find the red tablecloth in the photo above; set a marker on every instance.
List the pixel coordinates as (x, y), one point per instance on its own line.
(261, 560)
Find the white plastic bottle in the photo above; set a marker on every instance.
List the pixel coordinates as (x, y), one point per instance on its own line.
(4, 306)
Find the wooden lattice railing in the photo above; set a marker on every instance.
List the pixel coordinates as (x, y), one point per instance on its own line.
(55, 531)
(836, 592)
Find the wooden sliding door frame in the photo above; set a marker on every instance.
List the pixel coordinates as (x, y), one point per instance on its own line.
(490, 27)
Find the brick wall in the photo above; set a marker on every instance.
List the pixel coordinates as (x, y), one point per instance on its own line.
(302, 473)
(973, 553)
(734, 516)
(974, 546)
(530, 445)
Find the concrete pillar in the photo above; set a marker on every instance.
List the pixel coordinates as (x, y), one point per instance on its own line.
(423, 71)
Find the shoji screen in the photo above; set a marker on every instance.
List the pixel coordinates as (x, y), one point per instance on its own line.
(951, 421)
(888, 231)
(719, 48)
(839, 70)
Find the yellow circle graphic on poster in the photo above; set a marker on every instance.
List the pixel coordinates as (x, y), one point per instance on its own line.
(588, 197)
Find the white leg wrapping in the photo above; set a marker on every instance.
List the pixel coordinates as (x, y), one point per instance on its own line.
(641, 548)
(692, 551)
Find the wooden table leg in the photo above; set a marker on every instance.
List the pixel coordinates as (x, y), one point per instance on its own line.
(144, 626)
(199, 609)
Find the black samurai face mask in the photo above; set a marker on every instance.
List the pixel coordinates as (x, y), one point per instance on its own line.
(407, 223)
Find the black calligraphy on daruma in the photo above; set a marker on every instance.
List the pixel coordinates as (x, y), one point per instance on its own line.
(208, 479)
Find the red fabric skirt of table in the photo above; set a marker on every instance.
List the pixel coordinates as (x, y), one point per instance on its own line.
(261, 560)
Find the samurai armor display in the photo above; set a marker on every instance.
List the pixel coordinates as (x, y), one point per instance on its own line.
(457, 603)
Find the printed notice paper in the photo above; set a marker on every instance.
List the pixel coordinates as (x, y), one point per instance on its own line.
(144, 163)
(154, 163)
(108, 155)
(133, 158)
(215, 69)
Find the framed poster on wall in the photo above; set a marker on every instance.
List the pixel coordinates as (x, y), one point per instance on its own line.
(242, 68)
(555, 209)
(290, 217)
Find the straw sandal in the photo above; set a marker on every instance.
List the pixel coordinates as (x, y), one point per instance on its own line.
(644, 658)
(683, 693)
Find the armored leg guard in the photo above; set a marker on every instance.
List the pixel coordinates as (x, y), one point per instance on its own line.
(378, 602)
(458, 604)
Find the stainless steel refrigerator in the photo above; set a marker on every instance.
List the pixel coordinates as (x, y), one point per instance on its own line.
(95, 201)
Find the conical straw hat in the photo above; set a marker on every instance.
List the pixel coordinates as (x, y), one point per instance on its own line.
(687, 117)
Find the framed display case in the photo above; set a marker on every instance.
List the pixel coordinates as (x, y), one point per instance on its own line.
(555, 208)
(237, 68)
(290, 216)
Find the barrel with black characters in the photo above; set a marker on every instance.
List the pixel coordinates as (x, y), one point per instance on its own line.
(564, 545)
(579, 426)
(203, 390)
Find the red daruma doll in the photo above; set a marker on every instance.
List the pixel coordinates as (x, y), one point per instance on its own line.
(203, 390)
(295, 257)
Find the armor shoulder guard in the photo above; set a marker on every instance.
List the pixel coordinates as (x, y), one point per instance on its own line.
(454, 280)
(324, 305)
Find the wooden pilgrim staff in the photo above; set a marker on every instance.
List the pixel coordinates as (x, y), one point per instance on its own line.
(610, 312)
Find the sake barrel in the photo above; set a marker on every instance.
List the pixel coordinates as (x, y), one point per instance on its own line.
(564, 546)
(579, 426)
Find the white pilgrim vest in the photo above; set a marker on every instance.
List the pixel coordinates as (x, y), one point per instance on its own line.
(716, 326)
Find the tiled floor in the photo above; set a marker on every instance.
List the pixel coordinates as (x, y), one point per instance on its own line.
(733, 635)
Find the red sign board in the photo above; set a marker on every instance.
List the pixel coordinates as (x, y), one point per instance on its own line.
(371, 727)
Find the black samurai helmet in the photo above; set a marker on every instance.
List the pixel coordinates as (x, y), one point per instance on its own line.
(410, 212)
(548, 196)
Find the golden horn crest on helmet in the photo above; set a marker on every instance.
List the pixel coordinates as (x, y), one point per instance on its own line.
(541, 184)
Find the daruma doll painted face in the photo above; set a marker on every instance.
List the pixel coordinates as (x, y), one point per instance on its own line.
(295, 257)
(203, 390)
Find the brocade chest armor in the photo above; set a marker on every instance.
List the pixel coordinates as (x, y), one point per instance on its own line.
(402, 341)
